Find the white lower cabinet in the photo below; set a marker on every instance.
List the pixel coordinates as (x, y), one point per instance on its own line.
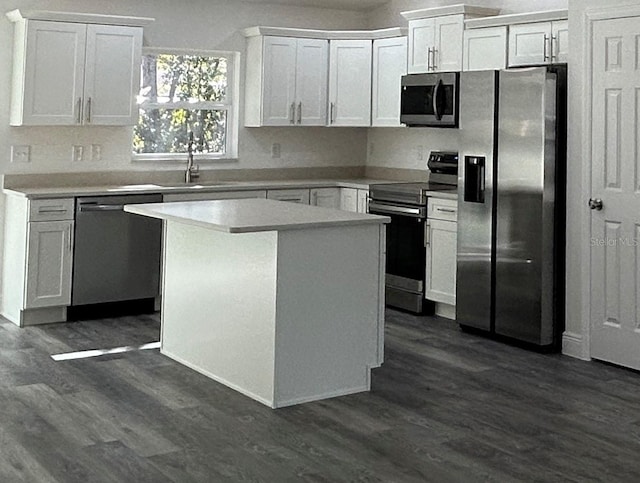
(291, 195)
(441, 251)
(49, 258)
(356, 200)
(37, 262)
(363, 201)
(325, 197)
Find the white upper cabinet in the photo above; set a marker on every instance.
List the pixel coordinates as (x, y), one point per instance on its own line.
(50, 90)
(311, 82)
(436, 36)
(279, 85)
(560, 37)
(350, 82)
(538, 43)
(389, 65)
(422, 34)
(485, 49)
(112, 75)
(73, 73)
(435, 44)
(286, 81)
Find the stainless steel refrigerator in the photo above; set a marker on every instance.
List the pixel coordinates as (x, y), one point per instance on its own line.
(510, 266)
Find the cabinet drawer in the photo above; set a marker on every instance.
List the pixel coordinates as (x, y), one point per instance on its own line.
(51, 210)
(292, 195)
(442, 209)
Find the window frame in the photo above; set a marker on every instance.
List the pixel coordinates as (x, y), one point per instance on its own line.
(231, 106)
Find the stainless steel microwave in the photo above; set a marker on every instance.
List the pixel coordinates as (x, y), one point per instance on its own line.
(430, 99)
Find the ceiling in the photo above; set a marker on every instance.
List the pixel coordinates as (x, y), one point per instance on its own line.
(361, 5)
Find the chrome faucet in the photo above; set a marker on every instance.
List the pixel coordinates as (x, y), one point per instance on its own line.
(192, 172)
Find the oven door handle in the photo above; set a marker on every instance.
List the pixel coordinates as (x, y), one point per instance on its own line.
(395, 210)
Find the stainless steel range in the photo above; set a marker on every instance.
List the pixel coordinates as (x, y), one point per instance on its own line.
(406, 204)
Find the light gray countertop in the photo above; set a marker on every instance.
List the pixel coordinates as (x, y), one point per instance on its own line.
(213, 186)
(253, 215)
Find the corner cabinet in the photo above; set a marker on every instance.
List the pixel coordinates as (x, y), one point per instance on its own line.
(325, 197)
(38, 257)
(286, 81)
(350, 82)
(75, 72)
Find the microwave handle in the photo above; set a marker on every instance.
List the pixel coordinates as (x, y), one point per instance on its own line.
(436, 91)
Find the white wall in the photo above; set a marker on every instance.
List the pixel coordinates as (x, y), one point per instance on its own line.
(203, 24)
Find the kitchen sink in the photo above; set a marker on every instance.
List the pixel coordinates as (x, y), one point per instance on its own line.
(134, 187)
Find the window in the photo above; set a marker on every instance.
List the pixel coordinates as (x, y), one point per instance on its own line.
(183, 92)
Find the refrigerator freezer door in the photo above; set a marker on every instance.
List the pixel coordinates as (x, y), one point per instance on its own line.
(475, 210)
(525, 200)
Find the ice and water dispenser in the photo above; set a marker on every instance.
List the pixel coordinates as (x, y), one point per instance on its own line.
(474, 169)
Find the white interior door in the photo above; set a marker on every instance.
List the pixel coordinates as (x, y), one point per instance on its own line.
(615, 229)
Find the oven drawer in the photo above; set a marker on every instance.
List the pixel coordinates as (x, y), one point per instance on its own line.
(442, 209)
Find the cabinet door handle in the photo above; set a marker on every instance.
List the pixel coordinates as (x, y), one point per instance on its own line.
(79, 108)
(445, 210)
(429, 58)
(426, 234)
(69, 244)
(433, 64)
(555, 49)
(300, 113)
(292, 113)
(88, 110)
(546, 53)
(331, 113)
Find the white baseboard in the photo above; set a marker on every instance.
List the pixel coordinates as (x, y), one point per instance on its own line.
(573, 346)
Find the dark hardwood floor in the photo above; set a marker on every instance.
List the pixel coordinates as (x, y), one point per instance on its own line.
(445, 406)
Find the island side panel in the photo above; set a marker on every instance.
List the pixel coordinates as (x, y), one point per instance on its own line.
(328, 319)
(218, 298)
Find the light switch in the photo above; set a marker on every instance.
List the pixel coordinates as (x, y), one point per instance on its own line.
(20, 153)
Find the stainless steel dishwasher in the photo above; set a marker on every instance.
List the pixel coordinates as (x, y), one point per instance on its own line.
(117, 254)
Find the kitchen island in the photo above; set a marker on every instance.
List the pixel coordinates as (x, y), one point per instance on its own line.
(279, 301)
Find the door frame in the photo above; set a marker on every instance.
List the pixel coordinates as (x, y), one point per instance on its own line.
(579, 345)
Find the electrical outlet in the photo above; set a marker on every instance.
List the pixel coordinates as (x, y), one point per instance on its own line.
(20, 154)
(77, 153)
(96, 152)
(275, 150)
(420, 152)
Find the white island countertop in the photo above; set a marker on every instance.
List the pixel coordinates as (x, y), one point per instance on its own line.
(253, 215)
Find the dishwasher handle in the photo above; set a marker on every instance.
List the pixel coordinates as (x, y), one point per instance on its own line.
(99, 207)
